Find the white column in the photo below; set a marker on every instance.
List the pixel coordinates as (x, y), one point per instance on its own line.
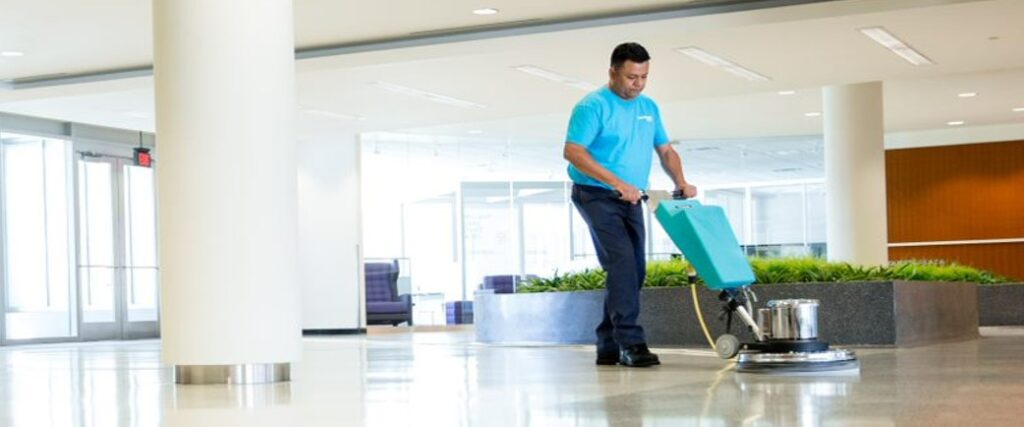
(855, 174)
(224, 76)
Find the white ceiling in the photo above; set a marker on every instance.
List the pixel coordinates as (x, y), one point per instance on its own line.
(801, 48)
(74, 36)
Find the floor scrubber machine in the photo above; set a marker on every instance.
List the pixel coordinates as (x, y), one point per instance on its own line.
(785, 332)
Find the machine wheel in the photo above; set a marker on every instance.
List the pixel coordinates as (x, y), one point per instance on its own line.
(727, 346)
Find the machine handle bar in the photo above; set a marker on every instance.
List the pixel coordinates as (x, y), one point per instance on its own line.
(676, 195)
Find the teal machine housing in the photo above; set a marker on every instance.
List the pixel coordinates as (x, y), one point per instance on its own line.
(704, 235)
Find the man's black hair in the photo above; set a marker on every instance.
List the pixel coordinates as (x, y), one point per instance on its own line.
(629, 52)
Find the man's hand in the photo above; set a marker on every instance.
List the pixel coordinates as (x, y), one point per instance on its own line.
(628, 193)
(688, 191)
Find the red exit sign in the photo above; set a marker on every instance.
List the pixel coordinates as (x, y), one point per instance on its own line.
(143, 158)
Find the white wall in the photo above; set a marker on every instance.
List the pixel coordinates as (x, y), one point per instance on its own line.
(330, 233)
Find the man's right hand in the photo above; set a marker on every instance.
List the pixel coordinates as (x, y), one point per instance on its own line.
(628, 193)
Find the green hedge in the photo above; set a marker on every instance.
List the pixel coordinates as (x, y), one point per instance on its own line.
(779, 270)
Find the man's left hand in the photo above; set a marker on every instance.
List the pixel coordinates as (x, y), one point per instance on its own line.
(688, 191)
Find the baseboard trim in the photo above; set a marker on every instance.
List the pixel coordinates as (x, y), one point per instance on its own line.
(322, 332)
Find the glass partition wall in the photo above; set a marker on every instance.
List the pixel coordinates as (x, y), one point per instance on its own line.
(459, 209)
(37, 224)
(77, 234)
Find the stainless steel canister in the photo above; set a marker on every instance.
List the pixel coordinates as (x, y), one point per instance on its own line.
(794, 319)
(764, 321)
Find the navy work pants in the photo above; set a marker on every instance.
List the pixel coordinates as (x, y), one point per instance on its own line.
(617, 228)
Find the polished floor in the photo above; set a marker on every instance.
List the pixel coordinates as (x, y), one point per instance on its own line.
(445, 379)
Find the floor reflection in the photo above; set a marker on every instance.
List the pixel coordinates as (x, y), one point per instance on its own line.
(445, 379)
(83, 385)
(793, 400)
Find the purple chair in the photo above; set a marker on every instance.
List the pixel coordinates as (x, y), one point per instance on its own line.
(383, 304)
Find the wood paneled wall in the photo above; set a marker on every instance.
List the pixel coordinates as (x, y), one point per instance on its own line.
(962, 192)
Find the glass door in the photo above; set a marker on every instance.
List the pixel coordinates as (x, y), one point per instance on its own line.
(117, 262)
(140, 270)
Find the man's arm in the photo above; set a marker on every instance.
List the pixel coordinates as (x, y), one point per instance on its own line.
(582, 160)
(673, 166)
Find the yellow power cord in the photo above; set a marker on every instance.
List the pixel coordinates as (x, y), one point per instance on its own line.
(700, 316)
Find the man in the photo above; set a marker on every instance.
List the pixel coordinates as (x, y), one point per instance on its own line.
(611, 134)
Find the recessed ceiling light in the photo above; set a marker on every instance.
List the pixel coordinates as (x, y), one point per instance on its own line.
(886, 39)
(787, 92)
(555, 77)
(813, 114)
(475, 132)
(443, 99)
(967, 94)
(721, 63)
(955, 123)
(12, 53)
(486, 11)
(1018, 110)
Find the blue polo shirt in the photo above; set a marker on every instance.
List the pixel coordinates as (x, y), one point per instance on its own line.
(619, 134)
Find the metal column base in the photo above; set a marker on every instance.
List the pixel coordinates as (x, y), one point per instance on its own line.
(232, 374)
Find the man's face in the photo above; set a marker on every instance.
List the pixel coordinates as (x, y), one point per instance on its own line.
(628, 80)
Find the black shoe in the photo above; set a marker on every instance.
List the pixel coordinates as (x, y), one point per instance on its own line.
(638, 356)
(608, 358)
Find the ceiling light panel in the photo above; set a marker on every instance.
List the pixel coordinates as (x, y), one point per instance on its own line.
(722, 63)
(886, 39)
(430, 96)
(555, 77)
(486, 11)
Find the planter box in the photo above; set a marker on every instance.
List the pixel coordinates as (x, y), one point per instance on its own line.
(875, 313)
(1001, 305)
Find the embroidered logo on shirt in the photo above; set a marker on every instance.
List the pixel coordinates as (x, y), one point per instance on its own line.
(648, 119)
